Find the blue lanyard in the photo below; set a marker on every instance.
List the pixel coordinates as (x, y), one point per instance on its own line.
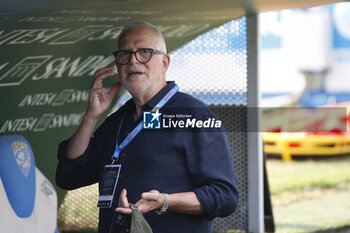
(139, 127)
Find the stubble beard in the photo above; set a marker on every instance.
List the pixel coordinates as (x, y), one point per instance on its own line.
(127, 84)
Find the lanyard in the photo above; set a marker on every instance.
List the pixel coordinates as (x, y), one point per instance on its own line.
(139, 127)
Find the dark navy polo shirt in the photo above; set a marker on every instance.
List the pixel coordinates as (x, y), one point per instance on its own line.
(170, 160)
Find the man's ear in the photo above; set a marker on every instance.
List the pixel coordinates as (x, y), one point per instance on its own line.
(166, 63)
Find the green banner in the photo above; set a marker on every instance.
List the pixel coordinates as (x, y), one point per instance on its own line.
(48, 59)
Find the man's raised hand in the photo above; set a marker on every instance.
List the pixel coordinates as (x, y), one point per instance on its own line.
(99, 99)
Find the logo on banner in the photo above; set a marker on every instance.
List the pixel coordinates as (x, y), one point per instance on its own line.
(22, 155)
(152, 120)
(18, 73)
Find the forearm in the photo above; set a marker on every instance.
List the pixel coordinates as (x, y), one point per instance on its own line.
(75, 173)
(186, 202)
(99, 102)
(81, 138)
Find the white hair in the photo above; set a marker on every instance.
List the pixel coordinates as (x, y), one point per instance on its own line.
(161, 41)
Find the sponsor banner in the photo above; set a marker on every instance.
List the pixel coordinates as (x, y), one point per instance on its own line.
(50, 57)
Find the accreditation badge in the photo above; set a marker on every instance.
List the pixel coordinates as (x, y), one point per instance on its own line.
(108, 185)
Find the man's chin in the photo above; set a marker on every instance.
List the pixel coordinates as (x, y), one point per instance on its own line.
(132, 88)
(135, 90)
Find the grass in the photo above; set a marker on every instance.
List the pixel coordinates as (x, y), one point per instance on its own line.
(328, 211)
(307, 174)
(310, 195)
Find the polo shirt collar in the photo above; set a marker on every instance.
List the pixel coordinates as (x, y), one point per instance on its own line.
(155, 99)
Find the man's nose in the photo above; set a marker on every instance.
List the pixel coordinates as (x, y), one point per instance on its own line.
(133, 58)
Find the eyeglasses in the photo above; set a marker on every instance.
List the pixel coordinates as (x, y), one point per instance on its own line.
(143, 55)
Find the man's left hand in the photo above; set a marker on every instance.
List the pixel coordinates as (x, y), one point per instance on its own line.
(149, 201)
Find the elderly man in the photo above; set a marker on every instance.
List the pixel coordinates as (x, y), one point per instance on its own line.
(180, 179)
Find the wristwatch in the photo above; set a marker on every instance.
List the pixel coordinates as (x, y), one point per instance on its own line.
(165, 206)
